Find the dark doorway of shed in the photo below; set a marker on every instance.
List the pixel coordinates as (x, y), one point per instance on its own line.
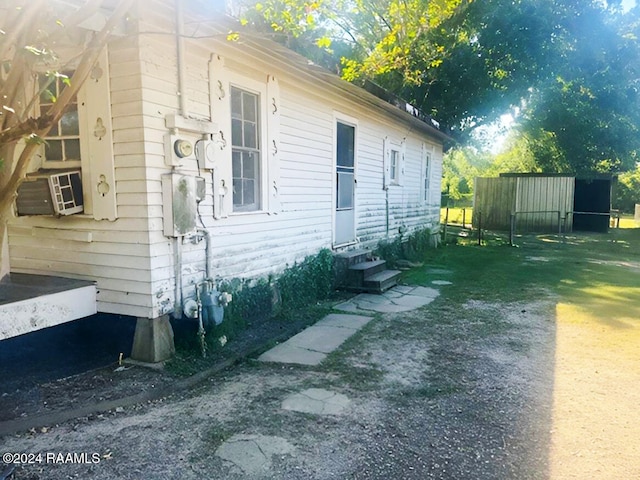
(592, 197)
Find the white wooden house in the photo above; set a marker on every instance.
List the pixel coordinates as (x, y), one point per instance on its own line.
(206, 157)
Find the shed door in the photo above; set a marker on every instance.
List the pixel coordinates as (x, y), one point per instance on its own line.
(345, 231)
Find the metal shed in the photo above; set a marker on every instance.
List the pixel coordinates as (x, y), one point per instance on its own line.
(543, 202)
(540, 203)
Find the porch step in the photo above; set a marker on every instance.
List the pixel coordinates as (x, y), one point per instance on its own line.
(356, 271)
(382, 281)
(363, 270)
(353, 257)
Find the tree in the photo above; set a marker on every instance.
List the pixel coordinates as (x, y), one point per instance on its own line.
(571, 67)
(29, 34)
(586, 118)
(460, 167)
(627, 191)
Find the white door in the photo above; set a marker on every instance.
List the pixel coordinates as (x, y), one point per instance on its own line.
(345, 231)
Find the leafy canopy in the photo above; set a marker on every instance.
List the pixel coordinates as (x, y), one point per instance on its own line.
(570, 69)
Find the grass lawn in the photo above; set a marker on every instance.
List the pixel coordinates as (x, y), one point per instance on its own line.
(627, 221)
(457, 215)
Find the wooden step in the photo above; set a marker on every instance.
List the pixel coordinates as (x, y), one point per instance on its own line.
(381, 281)
(353, 257)
(363, 270)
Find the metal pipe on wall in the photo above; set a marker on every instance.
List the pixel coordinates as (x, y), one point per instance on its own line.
(182, 76)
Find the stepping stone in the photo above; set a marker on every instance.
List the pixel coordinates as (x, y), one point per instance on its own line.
(418, 297)
(426, 292)
(289, 353)
(320, 338)
(441, 282)
(402, 289)
(312, 345)
(347, 306)
(317, 401)
(252, 453)
(354, 322)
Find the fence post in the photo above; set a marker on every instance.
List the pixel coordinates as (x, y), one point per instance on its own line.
(479, 228)
(464, 217)
(564, 227)
(559, 225)
(512, 227)
(446, 221)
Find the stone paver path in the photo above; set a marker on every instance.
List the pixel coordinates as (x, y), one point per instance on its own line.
(252, 453)
(399, 299)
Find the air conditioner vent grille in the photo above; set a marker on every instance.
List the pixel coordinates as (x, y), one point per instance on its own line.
(57, 193)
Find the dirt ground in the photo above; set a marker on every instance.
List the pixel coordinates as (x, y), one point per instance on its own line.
(541, 388)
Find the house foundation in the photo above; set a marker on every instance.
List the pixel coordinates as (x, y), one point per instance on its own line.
(153, 340)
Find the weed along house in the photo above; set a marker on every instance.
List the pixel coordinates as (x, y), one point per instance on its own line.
(189, 156)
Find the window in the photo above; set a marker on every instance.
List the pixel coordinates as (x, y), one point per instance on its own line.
(80, 145)
(345, 150)
(245, 140)
(62, 147)
(394, 166)
(393, 158)
(427, 176)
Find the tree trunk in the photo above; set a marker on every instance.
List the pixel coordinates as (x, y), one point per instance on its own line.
(7, 156)
(4, 250)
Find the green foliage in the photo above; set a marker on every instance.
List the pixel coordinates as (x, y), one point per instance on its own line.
(586, 117)
(627, 191)
(297, 286)
(411, 247)
(460, 167)
(570, 69)
(306, 282)
(292, 17)
(293, 295)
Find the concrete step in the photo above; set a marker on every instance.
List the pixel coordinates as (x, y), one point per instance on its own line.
(382, 281)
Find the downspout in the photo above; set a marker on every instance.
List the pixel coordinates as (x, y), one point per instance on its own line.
(207, 250)
(386, 199)
(182, 99)
(178, 273)
(182, 78)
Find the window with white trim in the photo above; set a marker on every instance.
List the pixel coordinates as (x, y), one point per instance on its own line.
(62, 143)
(79, 147)
(246, 154)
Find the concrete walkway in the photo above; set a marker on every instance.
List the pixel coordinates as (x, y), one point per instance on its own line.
(252, 454)
(312, 345)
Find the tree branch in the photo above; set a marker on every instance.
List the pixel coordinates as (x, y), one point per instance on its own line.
(88, 60)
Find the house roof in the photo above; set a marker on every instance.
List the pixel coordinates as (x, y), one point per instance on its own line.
(287, 59)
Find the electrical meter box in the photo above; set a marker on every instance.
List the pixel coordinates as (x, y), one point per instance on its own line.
(179, 201)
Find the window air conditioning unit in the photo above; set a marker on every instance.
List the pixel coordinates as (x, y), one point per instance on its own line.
(57, 193)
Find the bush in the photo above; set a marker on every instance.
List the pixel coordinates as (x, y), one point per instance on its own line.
(307, 282)
(411, 247)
